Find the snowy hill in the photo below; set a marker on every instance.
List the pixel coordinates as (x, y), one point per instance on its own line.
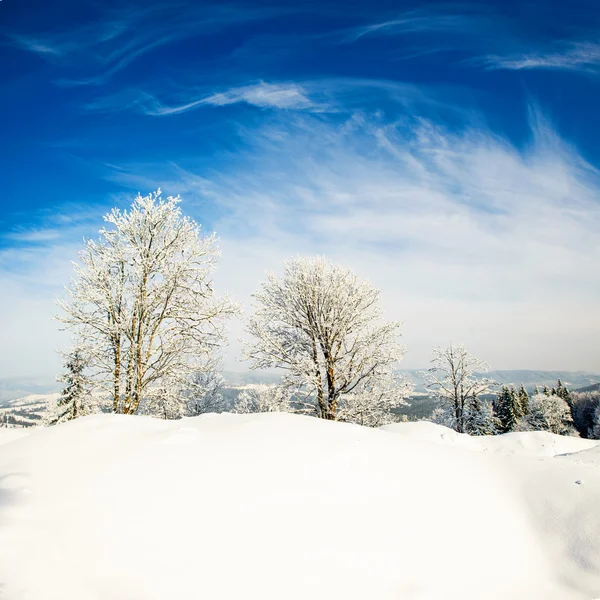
(275, 506)
(27, 411)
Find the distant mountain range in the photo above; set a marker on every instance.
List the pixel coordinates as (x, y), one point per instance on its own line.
(529, 378)
(13, 388)
(572, 379)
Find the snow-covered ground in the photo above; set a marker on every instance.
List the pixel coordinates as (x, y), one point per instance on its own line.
(27, 411)
(531, 443)
(275, 506)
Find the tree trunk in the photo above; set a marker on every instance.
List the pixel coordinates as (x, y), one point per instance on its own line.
(117, 378)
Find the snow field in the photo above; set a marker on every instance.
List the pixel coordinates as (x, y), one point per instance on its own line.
(283, 506)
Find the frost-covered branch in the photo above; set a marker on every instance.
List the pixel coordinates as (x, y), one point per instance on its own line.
(322, 325)
(142, 306)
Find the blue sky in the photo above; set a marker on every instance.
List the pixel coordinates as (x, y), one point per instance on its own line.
(447, 151)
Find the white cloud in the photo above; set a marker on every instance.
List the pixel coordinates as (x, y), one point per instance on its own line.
(420, 21)
(32, 235)
(264, 95)
(261, 95)
(469, 238)
(328, 95)
(579, 56)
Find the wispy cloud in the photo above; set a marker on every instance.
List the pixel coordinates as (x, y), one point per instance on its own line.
(420, 21)
(264, 95)
(327, 95)
(92, 53)
(473, 32)
(468, 236)
(574, 56)
(279, 95)
(32, 235)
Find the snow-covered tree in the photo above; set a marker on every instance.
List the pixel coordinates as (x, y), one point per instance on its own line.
(563, 392)
(595, 429)
(205, 393)
(523, 398)
(75, 399)
(480, 418)
(548, 413)
(507, 409)
(165, 402)
(322, 325)
(141, 305)
(585, 411)
(451, 381)
(373, 404)
(264, 398)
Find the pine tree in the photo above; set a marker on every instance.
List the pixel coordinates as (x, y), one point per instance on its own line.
(480, 418)
(563, 392)
(595, 429)
(75, 400)
(507, 409)
(523, 398)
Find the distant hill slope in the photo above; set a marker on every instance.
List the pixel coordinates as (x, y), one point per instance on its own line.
(12, 388)
(589, 388)
(27, 411)
(529, 378)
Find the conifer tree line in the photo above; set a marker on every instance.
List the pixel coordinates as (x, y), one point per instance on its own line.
(148, 327)
(547, 410)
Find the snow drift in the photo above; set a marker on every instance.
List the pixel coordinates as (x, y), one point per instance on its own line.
(275, 506)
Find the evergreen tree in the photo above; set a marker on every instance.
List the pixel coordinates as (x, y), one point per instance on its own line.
(595, 429)
(479, 418)
(546, 391)
(563, 392)
(507, 409)
(75, 398)
(523, 397)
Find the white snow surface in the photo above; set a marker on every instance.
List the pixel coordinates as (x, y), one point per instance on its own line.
(280, 506)
(531, 443)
